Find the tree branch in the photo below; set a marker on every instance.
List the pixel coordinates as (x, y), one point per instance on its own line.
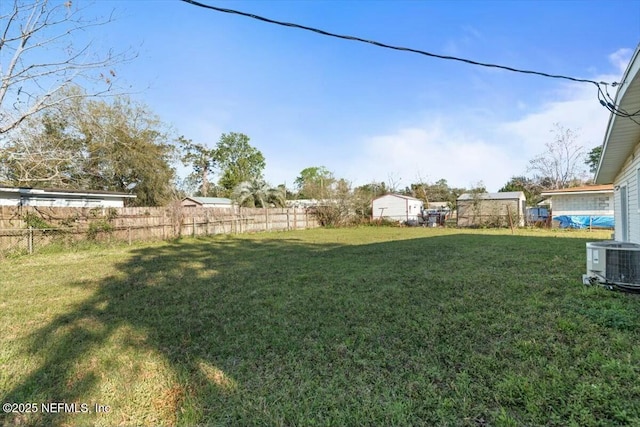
(24, 73)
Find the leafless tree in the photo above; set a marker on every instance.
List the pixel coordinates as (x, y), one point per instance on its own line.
(34, 156)
(393, 182)
(562, 162)
(38, 58)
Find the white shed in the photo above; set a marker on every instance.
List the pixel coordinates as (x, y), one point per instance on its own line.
(396, 207)
(620, 161)
(26, 196)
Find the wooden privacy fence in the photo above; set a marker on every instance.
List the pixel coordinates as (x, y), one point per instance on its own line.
(28, 227)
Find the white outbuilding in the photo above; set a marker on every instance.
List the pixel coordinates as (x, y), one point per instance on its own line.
(396, 207)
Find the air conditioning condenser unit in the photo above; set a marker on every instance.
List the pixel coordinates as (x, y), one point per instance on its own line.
(613, 263)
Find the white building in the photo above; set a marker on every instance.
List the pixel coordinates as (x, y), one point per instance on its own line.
(207, 202)
(396, 207)
(582, 206)
(620, 161)
(303, 203)
(23, 196)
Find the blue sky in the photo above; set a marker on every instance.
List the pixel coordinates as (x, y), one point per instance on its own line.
(371, 114)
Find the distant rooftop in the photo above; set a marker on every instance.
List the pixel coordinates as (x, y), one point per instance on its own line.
(402, 196)
(604, 188)
(60, 191)
(506, 195)
(211, 200)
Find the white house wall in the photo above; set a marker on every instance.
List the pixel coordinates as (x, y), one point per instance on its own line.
(9, 199)
(61, 202)
(629, 177)
(583, 204)
(218, 206)
(71, 203)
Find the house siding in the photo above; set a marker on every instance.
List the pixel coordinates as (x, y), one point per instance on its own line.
(77, 203)
(628, 176)
(60, 202)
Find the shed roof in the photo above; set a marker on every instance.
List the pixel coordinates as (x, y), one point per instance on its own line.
(505, 195)
(584, 189)
(401, 196)
(211, 200)
(622, 133)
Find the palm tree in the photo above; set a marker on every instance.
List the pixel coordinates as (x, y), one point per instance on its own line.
(258, 194)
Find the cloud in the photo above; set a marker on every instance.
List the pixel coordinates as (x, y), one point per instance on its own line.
(581, 112)
(621, 58)
(464, 152)
(430, 152)
(576, 106)
(466, 37)
(475, 142)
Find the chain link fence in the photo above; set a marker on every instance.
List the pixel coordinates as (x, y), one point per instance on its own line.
(28, 241)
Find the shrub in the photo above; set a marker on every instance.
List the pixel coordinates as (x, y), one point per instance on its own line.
(34, 221)
(385, 222)
(96, 227)
(331, 216)
(112, 213)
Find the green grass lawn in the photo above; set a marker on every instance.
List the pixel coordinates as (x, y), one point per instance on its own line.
(367, 326)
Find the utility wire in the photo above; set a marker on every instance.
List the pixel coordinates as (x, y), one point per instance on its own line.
(607, 104)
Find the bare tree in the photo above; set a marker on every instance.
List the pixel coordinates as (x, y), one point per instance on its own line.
(40, 154)
(393, 182)
(38, 58)
(562, 162)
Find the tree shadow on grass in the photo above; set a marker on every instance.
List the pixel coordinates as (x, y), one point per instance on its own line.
(283, 332)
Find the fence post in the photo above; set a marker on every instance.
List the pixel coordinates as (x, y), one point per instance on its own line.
(288, 225)
(129, 235)
(193, 227)
(510, 219)
(30, 240)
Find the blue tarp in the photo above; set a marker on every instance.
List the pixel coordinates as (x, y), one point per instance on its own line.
(584, 221)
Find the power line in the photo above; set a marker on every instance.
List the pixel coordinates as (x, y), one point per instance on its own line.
(607, 104)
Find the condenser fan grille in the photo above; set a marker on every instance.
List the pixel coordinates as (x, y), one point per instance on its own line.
(623, 266)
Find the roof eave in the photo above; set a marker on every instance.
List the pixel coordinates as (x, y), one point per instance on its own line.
(566, 193)
(628, 92)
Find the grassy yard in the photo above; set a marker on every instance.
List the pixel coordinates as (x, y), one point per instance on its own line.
(368, 326)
